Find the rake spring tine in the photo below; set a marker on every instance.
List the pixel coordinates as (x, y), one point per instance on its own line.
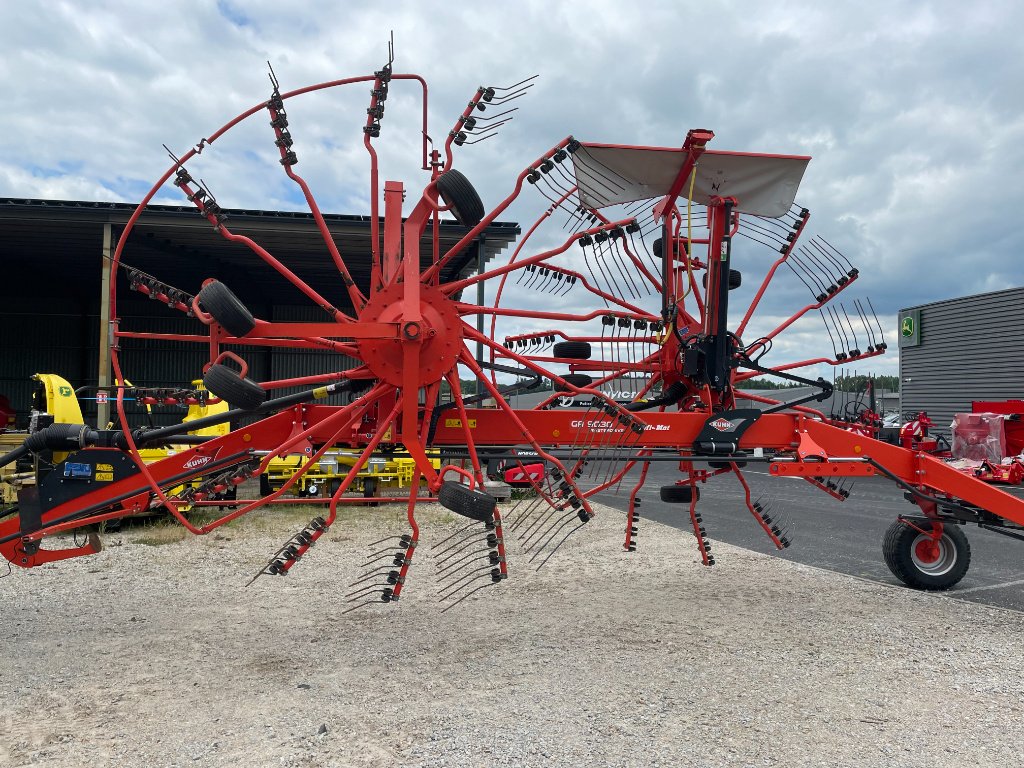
(856, 345)
(881, 333)
(830, 337)
(469, 578)
(814, 263)
(813, 242)
(365, 590)
(452, 551)
(549, 537)
(864, 321)
(511, 525)
(842, 331)
(557, 546)
(384, 556)
(471, 592)
(583, 160)
(462, 566)
(537, 527)
(838, 253)
(800, 277)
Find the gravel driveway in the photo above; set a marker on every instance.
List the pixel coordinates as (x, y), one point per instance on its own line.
(157, 656)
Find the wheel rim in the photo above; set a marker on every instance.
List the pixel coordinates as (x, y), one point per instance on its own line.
(934, 558)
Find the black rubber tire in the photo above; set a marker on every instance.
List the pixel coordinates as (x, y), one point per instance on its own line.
(226, 308)
(226, 384)
(954, 559)
(578, 380)
(574, 350)
(735, 279)
(679, 494)
(460, 197)
(265, 488)
(474, 504)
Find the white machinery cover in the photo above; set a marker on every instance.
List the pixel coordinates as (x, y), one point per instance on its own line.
(763, 185)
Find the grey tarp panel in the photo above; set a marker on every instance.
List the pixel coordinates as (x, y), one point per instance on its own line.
(763, 185)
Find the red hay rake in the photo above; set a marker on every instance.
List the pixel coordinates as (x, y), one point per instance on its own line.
(642, 278)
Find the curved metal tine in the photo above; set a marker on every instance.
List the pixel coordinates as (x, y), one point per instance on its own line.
(840, 328)
(856, 344)
(524, 515)
(837, 252)
(471, 592)
(537, 527)
(766, 231)
(554, 186)
(821, 289)
(466, 544)
(558, 546)
(482, 138)
(482, 118)
(355, 594)
(487, 130)
(620, 259)
(520, 84)
(815, 262)
(585, 164)
(843, 278)
(455, 586)
(383, 555)
(386, 538)
(758, 240)
(462, 563)
(360, 605)
(551, 531)
(864, 321)
(437, 551)
(608, 255)
(830, 337)
(877, 322)
(376, 572)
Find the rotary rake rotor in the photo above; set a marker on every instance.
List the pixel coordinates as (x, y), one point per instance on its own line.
(628, 274)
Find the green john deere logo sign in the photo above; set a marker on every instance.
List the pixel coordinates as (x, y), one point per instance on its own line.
(64, 391)
(910, 327)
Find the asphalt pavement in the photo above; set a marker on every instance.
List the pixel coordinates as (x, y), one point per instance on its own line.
(839, 536)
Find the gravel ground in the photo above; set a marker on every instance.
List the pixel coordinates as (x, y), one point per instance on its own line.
(157, 656)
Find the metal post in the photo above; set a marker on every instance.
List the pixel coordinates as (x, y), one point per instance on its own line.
(481, 259)
(103, 377)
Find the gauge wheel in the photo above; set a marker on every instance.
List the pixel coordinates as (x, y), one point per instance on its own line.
(461, 198)
(226, 308)
(922, 563)
(679, 494)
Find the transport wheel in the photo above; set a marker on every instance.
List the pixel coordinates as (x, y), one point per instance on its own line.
(679, 494)
(226, 384)
(921, 563)
(460, 196)
(579, 380)
(474, 504)
(226, 308)
(575, 350)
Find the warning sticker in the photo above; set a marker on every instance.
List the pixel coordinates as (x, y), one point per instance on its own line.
(458, 423)
(104, 477)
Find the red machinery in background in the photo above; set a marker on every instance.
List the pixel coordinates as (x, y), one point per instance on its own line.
(645, 263)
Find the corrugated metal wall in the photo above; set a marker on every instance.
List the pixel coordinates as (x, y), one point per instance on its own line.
(970, 348)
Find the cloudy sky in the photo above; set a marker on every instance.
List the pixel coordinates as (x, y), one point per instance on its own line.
(912, 111)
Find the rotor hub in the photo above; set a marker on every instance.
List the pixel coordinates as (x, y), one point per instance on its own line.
(437, 334)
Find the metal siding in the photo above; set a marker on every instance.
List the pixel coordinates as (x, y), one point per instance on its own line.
(971, 349)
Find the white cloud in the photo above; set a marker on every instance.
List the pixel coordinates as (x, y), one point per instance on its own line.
(913, 112)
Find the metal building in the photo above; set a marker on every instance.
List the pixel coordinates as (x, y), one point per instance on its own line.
(960, 350)
(53, 297)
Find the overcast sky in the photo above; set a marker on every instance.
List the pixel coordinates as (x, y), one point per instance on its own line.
(912, 111)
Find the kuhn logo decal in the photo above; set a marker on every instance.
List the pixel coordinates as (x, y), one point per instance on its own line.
(722, 425)
(199, 461)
